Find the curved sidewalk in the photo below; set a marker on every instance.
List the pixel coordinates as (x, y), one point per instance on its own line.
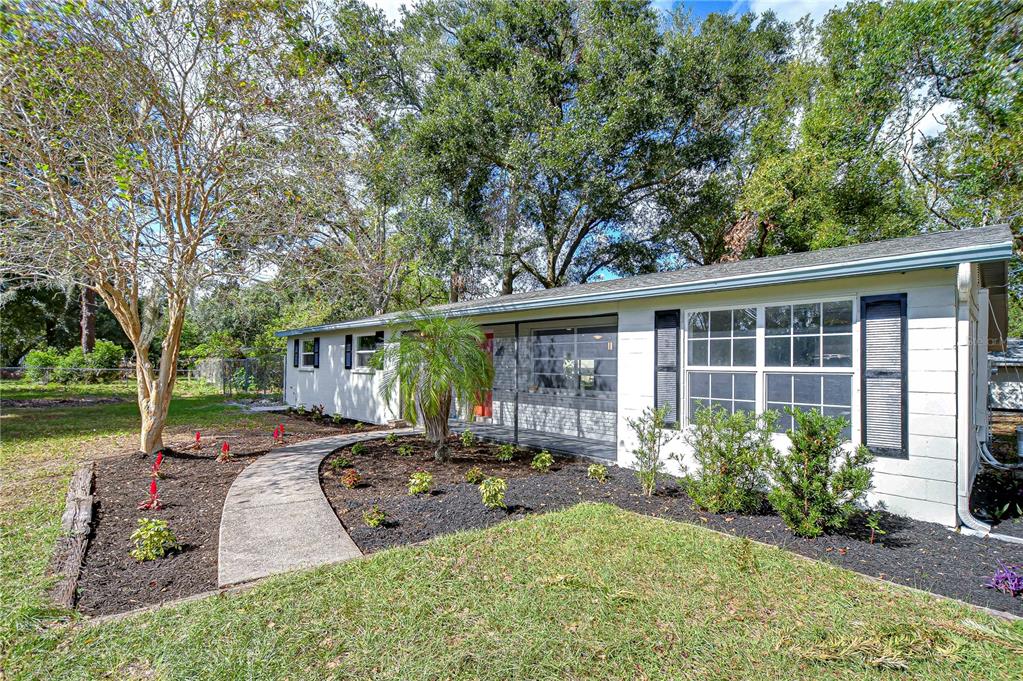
(276, 518)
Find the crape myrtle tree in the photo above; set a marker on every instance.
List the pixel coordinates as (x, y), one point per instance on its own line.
(132, 136)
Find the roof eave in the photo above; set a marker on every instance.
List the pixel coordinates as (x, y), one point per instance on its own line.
(886, 265)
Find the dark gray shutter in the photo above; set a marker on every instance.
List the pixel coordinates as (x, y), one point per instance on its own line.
(348, 351)
(885, 421)
(316, 352)
(666, 354)
(298, 351)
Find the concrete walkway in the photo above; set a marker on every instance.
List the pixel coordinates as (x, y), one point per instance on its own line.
(276, 518)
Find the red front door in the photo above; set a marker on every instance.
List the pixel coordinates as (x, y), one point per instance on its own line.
(485, 405)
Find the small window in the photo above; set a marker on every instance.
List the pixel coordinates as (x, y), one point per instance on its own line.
(365, 348)
(308, 352)
(830, 393)
(722, 338)
(809, 335)
(730, 391)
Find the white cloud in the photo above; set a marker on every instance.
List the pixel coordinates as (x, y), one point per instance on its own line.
(791, 10)
(934, 122)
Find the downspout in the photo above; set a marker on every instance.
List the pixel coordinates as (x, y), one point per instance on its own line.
(964, 406)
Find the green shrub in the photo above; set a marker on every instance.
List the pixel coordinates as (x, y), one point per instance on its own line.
(651, 436)
(358, 449)
(68, 365)
(374, 516)
(340, 462)
(542, 462)
(420, 483)
(506, 452)
(732, 452)
(405, 450)
(468, 438)
(474, 475)
(492, 492)
(597, 472)
(337, 419)
(39, 363)
(817, 484)
(153, 539)
(391, 438)
(358, 426)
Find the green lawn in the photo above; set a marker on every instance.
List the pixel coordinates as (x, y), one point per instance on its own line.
(590, 592)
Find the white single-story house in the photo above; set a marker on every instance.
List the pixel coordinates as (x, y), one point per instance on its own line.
(893, 335)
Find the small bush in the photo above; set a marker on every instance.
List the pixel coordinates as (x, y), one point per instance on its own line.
(405, 450)
(542, 462)
(337, 419)
(468, 438)
(391, 438)
(107, 358)
(374, 516)
(340, 462)
(351, 478)
(651, 436)
(732, 452)
(492, 492)
(39, 363)
(358, 426)
(597, 472)
(817, 484)
(358, 449)
(67, 368)
(318, 410)
(153, 539)
(506, 452)
(420, 483)
(474, 475)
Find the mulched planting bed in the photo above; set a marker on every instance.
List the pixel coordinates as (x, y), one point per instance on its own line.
(48, 402)
(918, 554)
(193, 490)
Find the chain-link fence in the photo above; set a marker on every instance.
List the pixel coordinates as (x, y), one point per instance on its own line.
(249, 376)
(262, 376)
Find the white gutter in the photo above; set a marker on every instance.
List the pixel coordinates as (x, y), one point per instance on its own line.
(901, 263)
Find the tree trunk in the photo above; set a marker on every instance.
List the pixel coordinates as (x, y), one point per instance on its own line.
(155, 387)
(437, 429)
(88, 319)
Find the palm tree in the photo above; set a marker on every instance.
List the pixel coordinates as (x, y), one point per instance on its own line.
(434, 360)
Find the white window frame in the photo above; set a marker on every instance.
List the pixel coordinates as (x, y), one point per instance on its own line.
(308, 357)
(760, 368)
(362, 357)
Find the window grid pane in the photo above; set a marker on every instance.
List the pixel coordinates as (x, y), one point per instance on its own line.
(722, 338)
(809, 335)
(831, 393)
(729, 390)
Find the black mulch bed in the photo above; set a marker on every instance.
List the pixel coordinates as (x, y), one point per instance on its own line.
(923, 555)
(193, 490)
(50, 402)
(997, 498)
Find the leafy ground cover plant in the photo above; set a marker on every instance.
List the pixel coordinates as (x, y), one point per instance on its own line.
(651, 436)
(153, 539)
(420, 483)
(732, 452)
(597, 471)
(492, 491)
(817, 484)
(391, 438)
(874, 525)
(358, 449)
(467, 438)
(506, 452)
(1007, 579)
(405, 450)
(340, 462)
(474, 475)
(542, 462)
(374, 516)
(351, 478)
(337, 419)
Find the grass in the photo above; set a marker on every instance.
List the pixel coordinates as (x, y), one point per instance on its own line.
(39, 449)
(592, 591)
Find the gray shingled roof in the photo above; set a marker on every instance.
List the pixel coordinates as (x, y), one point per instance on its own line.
(892, 255)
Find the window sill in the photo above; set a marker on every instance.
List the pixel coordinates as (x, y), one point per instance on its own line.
(363, 370)
(307, 370)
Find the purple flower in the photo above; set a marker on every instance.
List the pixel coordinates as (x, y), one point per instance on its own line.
(1007, 579)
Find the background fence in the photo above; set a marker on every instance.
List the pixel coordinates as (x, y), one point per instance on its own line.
(249, 376)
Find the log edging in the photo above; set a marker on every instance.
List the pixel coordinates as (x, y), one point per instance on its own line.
(75, 527)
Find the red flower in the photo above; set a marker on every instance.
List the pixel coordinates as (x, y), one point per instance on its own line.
(152, 488)
(159, 460)
(197, 437)
(225, 448)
